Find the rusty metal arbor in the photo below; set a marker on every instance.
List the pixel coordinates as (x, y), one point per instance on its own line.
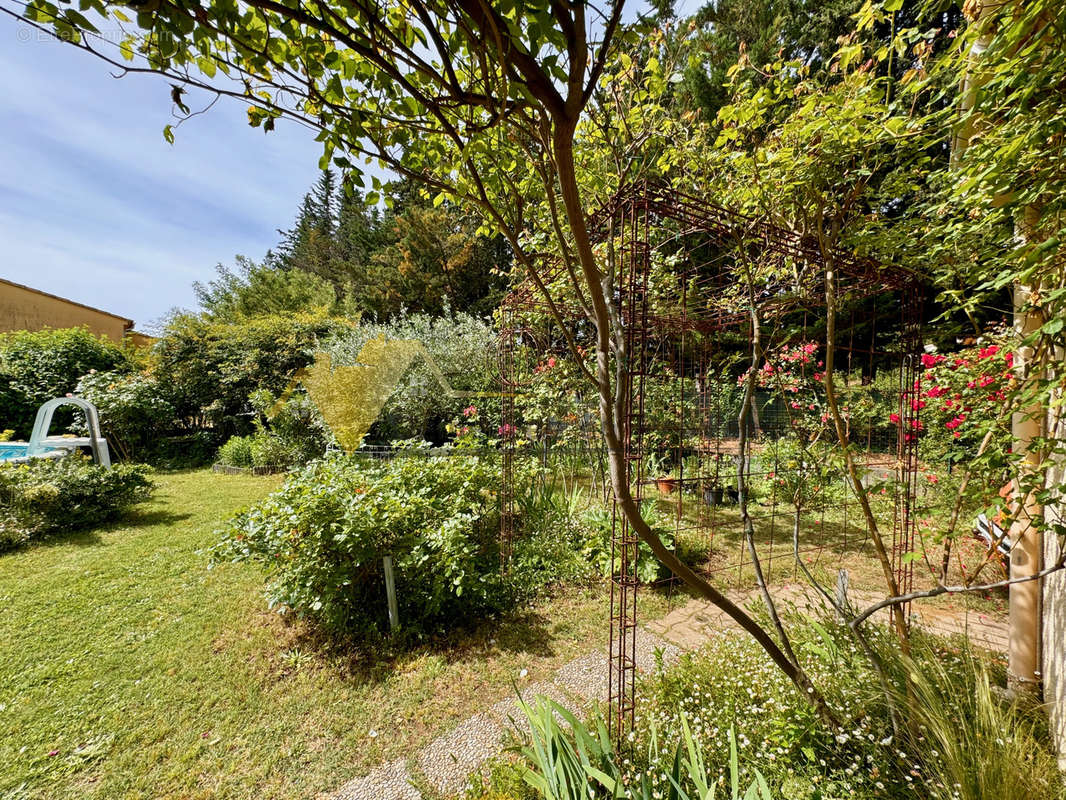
(723, 320)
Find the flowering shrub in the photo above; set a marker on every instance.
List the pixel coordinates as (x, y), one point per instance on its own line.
(962, 396)
(133, 413)
(793, 371)
(36, 366)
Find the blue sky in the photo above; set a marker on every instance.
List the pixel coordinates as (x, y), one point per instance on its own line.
(97, 207)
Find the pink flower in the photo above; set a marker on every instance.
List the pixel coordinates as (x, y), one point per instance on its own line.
(988, 352)
(893, 418)
(551, 362)
(932, 478)
(929, 360)
(469, 411)
(53, 753)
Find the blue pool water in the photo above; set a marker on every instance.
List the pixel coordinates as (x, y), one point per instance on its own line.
(12, 450)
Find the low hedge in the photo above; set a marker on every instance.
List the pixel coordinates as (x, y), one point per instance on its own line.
(49, 495)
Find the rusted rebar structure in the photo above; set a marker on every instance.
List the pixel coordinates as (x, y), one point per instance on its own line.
(705, 298)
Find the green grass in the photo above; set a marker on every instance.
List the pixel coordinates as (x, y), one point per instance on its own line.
(128, 669)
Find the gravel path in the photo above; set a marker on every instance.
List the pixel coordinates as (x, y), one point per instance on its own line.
(447, 762)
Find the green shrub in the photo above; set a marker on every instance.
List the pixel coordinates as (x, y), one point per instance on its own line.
(47, 495)
(597, 544)
(208, 370)
(236, 452)
(37, 366)
(462, 346)
(288, 434)
(322, 536)
(184, 450)
(270, 450)
(133, 414)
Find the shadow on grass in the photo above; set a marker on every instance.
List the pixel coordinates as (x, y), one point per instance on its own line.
(146, 517)
(89, 536)
(374, 657)
(83, 537)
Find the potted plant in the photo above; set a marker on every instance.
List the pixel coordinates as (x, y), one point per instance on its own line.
(712, 494)
(655, 467)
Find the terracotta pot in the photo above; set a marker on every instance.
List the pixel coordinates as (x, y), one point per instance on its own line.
(666, 485)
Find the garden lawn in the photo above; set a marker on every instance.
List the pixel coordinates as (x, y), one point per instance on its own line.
(128, 669)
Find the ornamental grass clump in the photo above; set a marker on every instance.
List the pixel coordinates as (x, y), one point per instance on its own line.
(976, 743)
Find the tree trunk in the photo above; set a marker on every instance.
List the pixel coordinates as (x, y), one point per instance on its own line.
(611, 418)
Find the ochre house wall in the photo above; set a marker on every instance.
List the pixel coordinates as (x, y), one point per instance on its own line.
(24, 309)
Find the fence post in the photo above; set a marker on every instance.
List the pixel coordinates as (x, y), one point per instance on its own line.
(390, 592)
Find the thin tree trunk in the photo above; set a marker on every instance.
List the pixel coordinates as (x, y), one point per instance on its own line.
(612, 416)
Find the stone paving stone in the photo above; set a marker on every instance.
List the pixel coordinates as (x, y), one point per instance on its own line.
(388, 782)
(691, 625)
(980, 629)
(448, 761)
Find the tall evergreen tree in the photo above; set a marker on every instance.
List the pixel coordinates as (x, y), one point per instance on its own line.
(410, 256)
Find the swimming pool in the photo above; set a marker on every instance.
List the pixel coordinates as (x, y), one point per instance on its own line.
(14, 451)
